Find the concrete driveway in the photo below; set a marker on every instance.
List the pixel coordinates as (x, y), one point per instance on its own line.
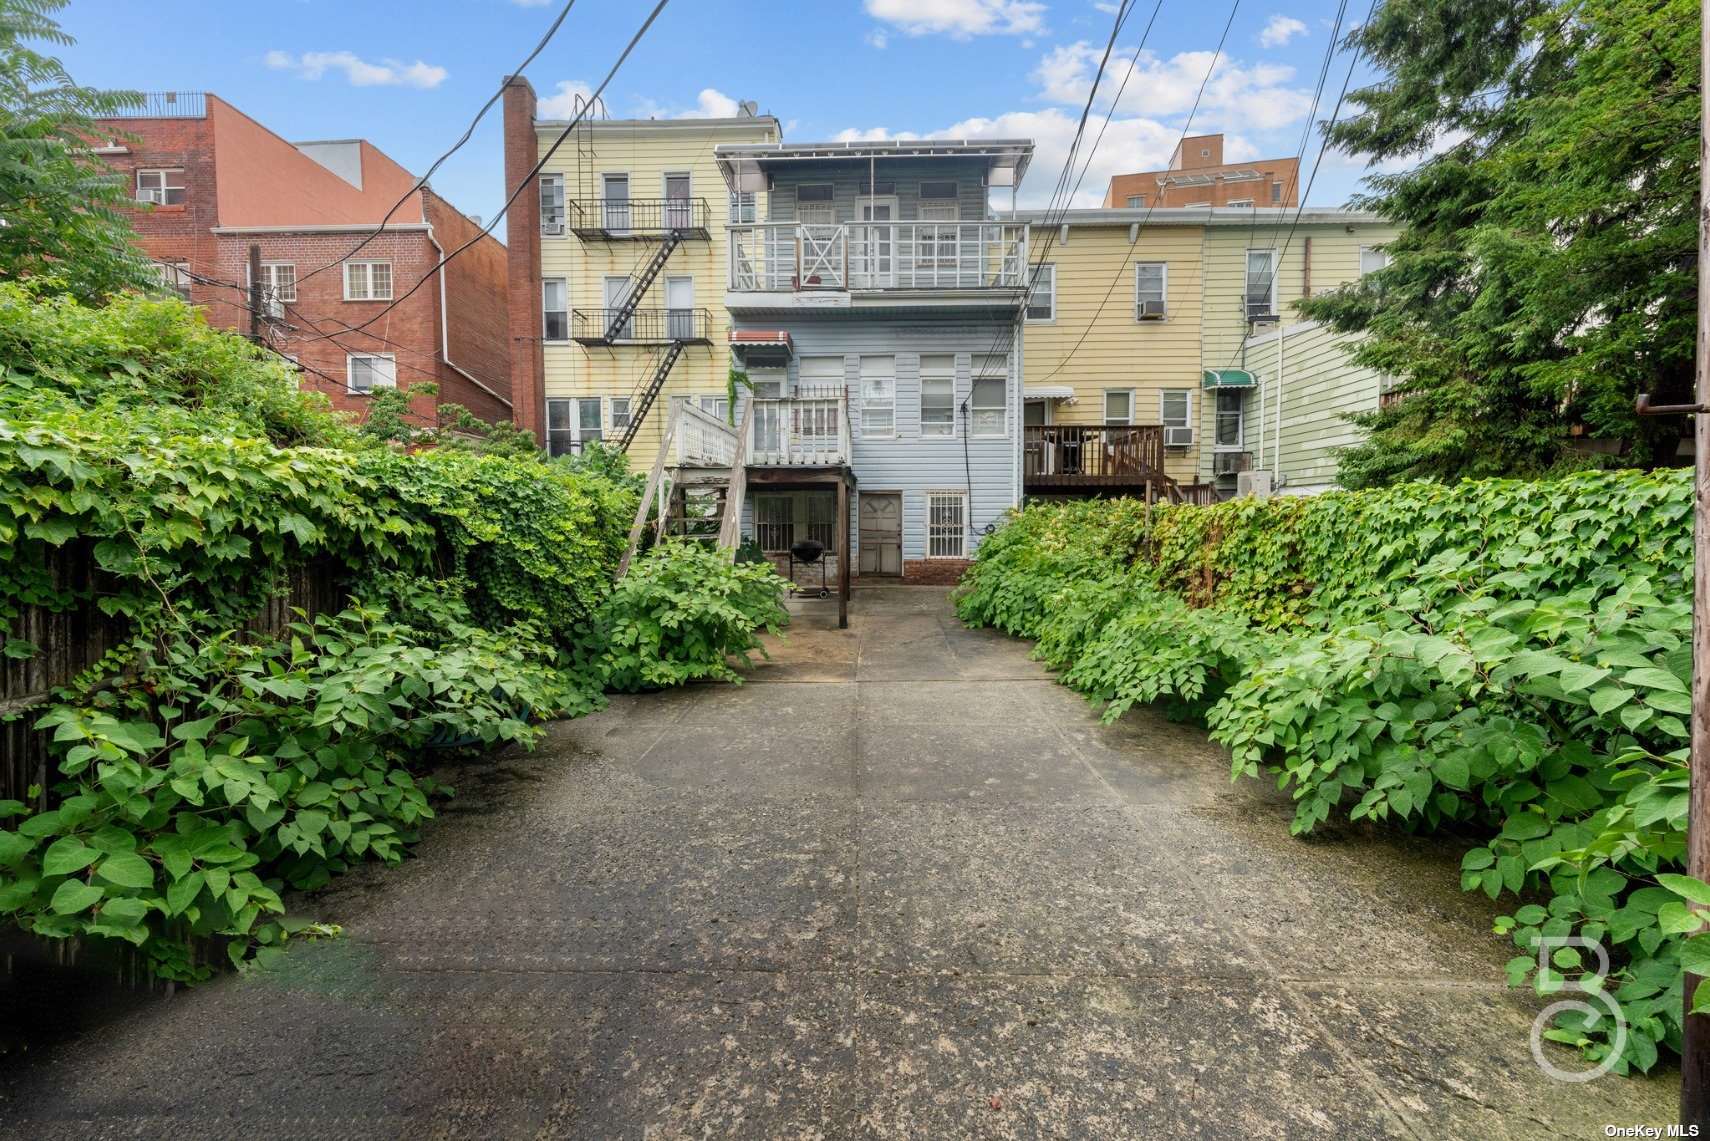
(899, 885)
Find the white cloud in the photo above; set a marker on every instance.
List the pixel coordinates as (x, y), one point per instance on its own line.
(358, 71)
(960, 18)
(1279, 30)
(1238, 95)
(711, 103)
(878, 39)
(570, 97)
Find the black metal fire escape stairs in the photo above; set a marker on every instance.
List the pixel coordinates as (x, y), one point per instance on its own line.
(643, 398)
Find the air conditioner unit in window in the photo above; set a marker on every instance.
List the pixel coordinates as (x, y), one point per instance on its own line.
(552, 229)
(1254, 483)
(1178, 437)
(1153, 310)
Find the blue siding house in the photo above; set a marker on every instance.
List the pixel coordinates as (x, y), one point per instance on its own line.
(876, 312)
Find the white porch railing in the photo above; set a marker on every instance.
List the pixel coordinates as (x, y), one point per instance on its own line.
(790, 256)
(703, 438)
(809, 429)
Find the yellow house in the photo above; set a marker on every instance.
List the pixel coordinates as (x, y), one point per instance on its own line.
(1136, 332)
(633, 266)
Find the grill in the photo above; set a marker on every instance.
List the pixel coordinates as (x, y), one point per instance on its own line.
(808, 552)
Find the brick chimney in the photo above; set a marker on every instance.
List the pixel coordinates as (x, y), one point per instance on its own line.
(522, 245)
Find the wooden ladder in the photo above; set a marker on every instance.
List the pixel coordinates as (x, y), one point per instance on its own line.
(732, 494)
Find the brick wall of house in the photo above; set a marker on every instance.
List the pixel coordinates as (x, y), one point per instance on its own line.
(934, 572)
(522, 243)
(476, 308)
(176, 233)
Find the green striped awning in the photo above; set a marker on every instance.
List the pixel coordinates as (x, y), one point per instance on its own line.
(1228, 378)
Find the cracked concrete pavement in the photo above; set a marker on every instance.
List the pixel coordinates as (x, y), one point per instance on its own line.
(901, 884)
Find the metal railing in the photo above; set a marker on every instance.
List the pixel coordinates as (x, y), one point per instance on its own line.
(645, 326)
(1071, 454)
(164, 105)
(622, 217)
(791, 256)
(810, 428)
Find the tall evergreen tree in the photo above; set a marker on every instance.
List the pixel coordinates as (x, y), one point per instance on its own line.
(58, 216)
(1545, 272)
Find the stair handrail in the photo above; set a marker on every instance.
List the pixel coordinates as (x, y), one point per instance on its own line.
(653, 482)
(730, 529)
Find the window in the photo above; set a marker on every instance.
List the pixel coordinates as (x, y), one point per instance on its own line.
(814, 192)
(161, 187)
(1042, 302)
(938, 395)
(364, 372)
(1261, 284)
(1135, 201)
(878, 396)
(814, 204)
(175, 276)
(278, 286)
(368, 281)
(1240, 202)
(1176, 412)
(620, 413)
(1231, 419)
(822, 520)
(945, 189)
(1276, 193)
(989, 405)
(555, 307)
(679, 203)
(1372, 259)
(614, 202)
(742, 209)
(1119, 406)
(1150, 287)
(552, 203)
(774, 522)
(571, 423)
(717, 405)
(946, 524)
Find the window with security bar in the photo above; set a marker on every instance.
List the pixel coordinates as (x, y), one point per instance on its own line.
(774, 522)
(946, 524)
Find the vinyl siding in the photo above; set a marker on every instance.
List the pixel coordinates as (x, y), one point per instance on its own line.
(848, 178)
(1119, 351)
(1320, 386)
(646, 154)
(1327, 251)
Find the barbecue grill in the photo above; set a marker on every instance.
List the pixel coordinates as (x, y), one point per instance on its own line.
(808, 552)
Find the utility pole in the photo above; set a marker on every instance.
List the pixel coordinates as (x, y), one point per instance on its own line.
(1695, 1033)
(255, 293)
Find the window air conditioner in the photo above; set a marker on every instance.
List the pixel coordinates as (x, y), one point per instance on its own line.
(1175, 437)
(1153, 310)
(1254, 483)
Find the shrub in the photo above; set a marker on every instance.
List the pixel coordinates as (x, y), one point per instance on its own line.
(1509, 659)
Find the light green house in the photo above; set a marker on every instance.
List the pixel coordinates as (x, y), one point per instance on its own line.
(1308, 367)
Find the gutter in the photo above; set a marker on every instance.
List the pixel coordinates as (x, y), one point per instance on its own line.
(445, 328)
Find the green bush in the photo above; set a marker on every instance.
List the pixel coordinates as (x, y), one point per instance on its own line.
(1507, 659)
(681, 613)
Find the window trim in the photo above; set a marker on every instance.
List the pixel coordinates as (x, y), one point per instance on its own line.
(1038, 270)
(1246, 279)
(1104, 405)
(1187, 418)
(163, 189)
(350, 360)
(563, 227)
(960, 495)
(740, 217)
(575, 428)
(1240, 445)
(545, 334)
(890, 376)
(1163, 287)
(975, 377)
(367, 264)
(921, 377)
(1378, 251)
(1135, 202)
(612, 403)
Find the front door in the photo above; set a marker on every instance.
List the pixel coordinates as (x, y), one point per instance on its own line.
(880, 518)
(873, 255)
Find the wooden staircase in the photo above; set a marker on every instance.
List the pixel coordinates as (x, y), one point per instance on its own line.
(698, 483)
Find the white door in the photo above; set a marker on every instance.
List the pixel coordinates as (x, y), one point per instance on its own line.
(880, 521)
(679, 213)
(617, 290)
(680, 308)
(615, 192)
(872, 260)
(937, 250)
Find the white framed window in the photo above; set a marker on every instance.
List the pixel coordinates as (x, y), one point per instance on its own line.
(1372, 259)
(1042, 302)
(278, 286)
(555, 309)
(1119, 406)
(878, 396)
(1151, 290)
(364, 372)
(368, 281)
(552, 204)
(163, 186)
(716, 406)
(938, 394)
(1261, 284)
(743, 211)
(1135, 201)
(1175, 412)
(946, 524)
(570, 423)
(988, 403)
(614, 202)
(816, 203)
(620, 413)
(175, 276)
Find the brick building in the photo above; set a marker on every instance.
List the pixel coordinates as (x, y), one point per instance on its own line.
(210, 182)
(1198, 176)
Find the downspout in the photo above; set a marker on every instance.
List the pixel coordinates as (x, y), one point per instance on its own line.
(1276, 432)
(445, 325)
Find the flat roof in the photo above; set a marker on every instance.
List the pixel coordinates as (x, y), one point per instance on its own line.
(680, 124)
(1198, 216)
(1001, 154)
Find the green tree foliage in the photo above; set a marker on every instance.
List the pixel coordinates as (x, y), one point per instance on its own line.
(59, 202)
(1544, 274)
(1507, 660)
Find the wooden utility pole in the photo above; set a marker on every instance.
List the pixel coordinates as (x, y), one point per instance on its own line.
(1695, 1036)
(255, 292)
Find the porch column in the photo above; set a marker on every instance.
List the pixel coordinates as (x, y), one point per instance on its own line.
(842, 553)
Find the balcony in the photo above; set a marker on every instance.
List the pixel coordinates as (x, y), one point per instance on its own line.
(803, 258)
(644, 327)
(635, 219)
(1069, 457)
(810, 429)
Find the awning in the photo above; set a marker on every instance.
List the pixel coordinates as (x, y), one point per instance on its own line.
(1229, 378)
(1048, 392)
(761, 346)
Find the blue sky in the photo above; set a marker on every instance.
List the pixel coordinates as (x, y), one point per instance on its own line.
(408, 75)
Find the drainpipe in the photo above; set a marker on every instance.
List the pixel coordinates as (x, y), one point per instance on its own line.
(1276, 432)
(445, 325)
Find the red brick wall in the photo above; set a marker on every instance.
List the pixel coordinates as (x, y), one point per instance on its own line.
(175, 233)
(936, 572)
(476, 304)
(522, 242)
